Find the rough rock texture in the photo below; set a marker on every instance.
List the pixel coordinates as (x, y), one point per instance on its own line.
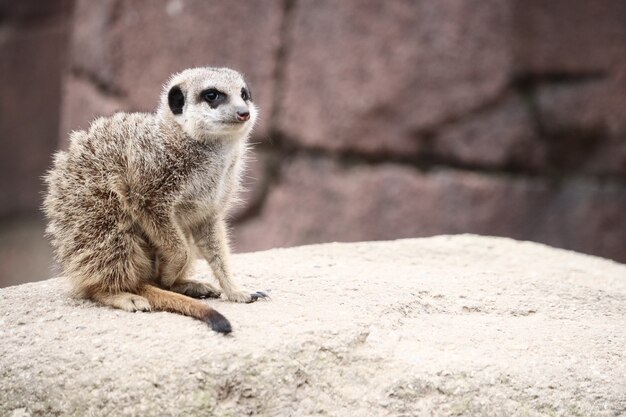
(129, 49)
(84, 101)
(508, 91)
(32, 58)
(520, 103)
(587, 124)
(33, 50)
(318, 200)
(566, 37)
(501, 135)
(444, 326)
(394, 69)
(24, 253)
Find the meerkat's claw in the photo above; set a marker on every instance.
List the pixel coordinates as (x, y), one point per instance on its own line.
(257, 296)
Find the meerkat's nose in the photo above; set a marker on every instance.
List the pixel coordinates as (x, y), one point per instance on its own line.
(243, 115)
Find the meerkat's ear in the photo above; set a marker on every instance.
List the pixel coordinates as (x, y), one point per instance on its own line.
(176, 100)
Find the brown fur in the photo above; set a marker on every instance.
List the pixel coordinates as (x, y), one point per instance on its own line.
(137, 193)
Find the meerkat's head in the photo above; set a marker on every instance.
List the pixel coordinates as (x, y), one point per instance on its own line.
(209, 104)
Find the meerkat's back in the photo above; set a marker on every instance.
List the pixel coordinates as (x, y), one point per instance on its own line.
(86, 217)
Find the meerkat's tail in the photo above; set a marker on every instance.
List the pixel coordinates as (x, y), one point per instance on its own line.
(163, 300)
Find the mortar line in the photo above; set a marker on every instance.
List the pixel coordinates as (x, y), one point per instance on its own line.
(429, 164)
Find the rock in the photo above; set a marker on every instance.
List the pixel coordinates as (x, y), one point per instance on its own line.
(25, 254)
(443, 326)
(34, 10)
(317, 201)
(131, 47)
(569, 37)
(502, 136)
(395, 69)
(585, 125)
(254, 183)
(31, 63)
(83, 102)
(92, 46)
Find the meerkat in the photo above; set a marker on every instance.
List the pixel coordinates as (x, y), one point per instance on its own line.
(137, 193)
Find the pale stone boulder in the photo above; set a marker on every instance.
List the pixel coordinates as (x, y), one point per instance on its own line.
(448, 325)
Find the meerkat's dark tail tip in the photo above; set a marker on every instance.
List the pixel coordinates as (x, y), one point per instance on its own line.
(163, 300)
(218, 323)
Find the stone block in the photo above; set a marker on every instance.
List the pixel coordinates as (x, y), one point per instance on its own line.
(502, 136)
(319, 201)
(33, 10)
(82, 103)
(585, 125)
(25, 254)
(94, 51)
(133, 47)
(585, 216)
(30, 74)
(370, 77)
(442, 326)
(254, 183)
(569, 36)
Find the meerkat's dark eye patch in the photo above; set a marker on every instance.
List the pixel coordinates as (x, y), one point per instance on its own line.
(213, 97)
(176, 100)
(245, 94)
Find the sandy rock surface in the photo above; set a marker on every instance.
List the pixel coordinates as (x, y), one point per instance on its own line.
(442, 326)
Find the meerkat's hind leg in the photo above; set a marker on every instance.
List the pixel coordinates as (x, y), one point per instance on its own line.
(196, 289)
(183, 285)
(123, 300)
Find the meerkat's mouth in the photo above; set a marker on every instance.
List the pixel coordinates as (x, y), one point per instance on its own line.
(229, 127)
(234, 123)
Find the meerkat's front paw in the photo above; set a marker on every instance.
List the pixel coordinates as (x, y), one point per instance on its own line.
(196, 289)
(244, 297)
(132, 303)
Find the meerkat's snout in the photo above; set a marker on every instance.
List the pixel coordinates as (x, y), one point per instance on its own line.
(243, 114)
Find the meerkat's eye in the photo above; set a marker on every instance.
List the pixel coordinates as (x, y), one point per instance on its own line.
(212, 96)
(245, 94)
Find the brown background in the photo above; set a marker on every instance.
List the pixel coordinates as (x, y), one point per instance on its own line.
(380, 119)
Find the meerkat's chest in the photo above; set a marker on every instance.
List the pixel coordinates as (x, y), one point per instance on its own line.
(210, 189)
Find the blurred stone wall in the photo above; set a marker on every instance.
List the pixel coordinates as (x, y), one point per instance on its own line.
(392, 119)
(33, 46)
(379, 119)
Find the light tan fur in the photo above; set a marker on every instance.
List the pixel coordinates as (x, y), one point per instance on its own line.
(138, 193)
